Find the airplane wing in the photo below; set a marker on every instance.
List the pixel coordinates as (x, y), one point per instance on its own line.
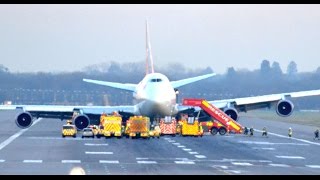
(281, 101)
(124, 86)
(182, 82)
(88, 114)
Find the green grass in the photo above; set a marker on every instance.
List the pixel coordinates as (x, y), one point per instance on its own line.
(297, 117)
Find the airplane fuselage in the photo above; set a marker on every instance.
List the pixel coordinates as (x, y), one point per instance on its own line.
(155, 96)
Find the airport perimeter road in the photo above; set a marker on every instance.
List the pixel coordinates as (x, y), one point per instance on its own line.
(41, 150)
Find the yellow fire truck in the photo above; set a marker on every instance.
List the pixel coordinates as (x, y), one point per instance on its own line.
(138, 126)
(111, 125)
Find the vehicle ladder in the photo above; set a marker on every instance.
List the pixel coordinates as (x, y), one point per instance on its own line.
(214, 112)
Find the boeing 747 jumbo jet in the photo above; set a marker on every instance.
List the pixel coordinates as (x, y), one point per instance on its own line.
(155, 96)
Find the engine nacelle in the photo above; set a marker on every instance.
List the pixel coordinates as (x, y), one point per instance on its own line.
(284, 108)
(24, 120)
(81, 121)
(231, 112)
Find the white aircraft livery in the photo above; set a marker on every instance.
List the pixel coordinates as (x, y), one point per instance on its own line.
(154, 96)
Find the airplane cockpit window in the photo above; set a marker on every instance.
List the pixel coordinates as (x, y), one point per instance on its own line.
(156, 80)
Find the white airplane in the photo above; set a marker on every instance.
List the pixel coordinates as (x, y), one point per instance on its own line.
(154, 96)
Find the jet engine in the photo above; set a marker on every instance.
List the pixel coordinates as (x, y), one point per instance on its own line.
(81, 121)
(24, 120)
(284, 108)
(231, 112)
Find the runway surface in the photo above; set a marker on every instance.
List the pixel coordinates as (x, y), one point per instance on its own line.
(41, 150)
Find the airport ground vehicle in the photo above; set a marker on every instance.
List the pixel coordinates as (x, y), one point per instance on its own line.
(168, 125)
(155, 131)
(230, 124)
(87, 132)
(190, 126)
(138, 126)
(69, 130)
(214, 127)
(111, 125)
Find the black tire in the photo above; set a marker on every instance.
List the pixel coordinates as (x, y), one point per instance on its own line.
(82, 137)
(173, 135)
(214, 131)
(63, 136)
(222, 131)
(74, 136)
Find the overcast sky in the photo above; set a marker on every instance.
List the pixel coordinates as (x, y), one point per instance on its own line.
(70, 37)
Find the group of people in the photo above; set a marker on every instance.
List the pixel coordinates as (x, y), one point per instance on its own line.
(265, 133)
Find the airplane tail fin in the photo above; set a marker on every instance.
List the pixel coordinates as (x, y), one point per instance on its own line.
(149, 59)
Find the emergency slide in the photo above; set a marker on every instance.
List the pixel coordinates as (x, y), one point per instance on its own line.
(215, 113)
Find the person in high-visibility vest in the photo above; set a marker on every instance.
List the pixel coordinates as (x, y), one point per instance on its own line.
(290, 132)
(264, 132)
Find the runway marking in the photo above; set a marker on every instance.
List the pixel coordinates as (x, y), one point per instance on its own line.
(146, 162)
(249, 160)
(71, 161)
(167, 138)
(279, 165)
(187, 149)
(99, 152)
(269, 143)
(32, 161)
(171, 141)
(200, 156)
(91, 144)
(184, 162)
(139, 158)
(182, 159)
(2, 160)
(302, 140)
(220, 166)
(290, 157)
(271, 149)
(181, 146)
(234, 171)
(193, 153)
(108, 162)
(313, 166)
(241, 164)
(177, 144)
(16, 135)
(56, 138)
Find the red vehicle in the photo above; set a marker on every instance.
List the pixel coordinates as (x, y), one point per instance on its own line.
(214, 127)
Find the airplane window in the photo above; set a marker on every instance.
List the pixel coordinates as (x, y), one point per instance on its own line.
(159, 80)
(153, 80)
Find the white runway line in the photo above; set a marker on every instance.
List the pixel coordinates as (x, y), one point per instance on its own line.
(271, 149)
(187, 149)
(241, 160)
(184, 162)
(140, 158)
(181, 146)
(71, 161)
(167, 138)
(200, 156)
(302, 140)
(313, 166)
(269, 143)
(146, 162)
(184, 159)
(234, 171)
(193, 152)
(108, 162)
(220, 166)
(177, 144)
(290, 157)
(2, 160)
(32, 161)
(279, 165)
(241, 164)
(98, 152)
(91, 144)
(16, 135)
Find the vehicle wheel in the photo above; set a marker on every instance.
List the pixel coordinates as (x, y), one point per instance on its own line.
(98, 136)
(63, 136)
(173, 135)
(214, 131)
(93, 137)
(82, 137)
(74, 136)
(222, 131)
